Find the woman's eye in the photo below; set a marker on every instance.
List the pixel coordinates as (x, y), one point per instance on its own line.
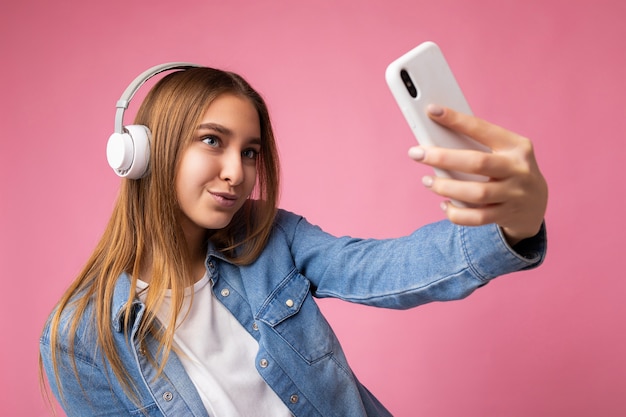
(211, 140)
(250, 153)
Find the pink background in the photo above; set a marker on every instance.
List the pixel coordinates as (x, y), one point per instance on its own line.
(550, 342)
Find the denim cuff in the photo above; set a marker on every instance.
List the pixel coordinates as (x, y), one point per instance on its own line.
(489, 262)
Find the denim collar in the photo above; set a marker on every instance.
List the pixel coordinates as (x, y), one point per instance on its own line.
(118, 304)
(122, 289)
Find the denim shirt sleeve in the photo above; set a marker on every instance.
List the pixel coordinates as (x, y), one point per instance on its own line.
(438, 262)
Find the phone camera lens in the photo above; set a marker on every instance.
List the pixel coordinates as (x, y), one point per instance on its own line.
(408, 83)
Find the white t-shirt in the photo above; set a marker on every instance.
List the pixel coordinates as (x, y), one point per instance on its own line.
(218, 354)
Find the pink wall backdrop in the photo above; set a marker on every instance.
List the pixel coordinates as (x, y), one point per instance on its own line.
(550, 342)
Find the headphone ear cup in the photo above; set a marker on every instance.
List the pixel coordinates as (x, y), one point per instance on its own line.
(129, 153)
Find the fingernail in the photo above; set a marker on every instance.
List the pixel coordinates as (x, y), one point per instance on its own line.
(417, 153)
(427, 181)
(435, 110)
(444, 205)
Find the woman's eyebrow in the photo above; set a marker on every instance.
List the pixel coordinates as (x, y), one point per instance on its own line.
(255, 141)
(216, 127)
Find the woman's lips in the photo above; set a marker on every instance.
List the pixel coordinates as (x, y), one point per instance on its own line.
(226, 200)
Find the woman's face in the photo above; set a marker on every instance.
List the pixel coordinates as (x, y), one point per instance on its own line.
(218, 171)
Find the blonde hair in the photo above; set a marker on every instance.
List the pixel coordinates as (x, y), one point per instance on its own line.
(144, 233)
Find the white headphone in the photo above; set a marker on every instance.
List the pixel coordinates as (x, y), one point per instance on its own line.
(128, 148)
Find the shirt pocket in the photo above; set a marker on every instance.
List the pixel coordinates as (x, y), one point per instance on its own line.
(294, 316)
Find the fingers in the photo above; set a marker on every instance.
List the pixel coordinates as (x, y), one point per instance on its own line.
(471, 216)
(488, 134)
(467, 161)
(514, 194)
(476, 193)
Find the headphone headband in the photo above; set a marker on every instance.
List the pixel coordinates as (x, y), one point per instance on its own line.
(128, 148)
(127, 95)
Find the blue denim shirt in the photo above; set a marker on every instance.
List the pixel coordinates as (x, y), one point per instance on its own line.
(299, 355)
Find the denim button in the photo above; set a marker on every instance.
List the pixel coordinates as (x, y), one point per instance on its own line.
(255, 326)
(263, 363)
(289, 303)
(167, 396)
(211, 264)
(225, 292)
(293, 399)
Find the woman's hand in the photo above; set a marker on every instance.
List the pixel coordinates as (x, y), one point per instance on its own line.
(516, 194)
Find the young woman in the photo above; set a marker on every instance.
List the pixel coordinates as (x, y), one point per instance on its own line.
(198, 299)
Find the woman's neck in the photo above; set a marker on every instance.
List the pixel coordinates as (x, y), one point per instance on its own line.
(196, 246)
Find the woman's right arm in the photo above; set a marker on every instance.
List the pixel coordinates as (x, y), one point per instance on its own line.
(438, 262)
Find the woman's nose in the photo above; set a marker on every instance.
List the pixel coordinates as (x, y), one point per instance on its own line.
(232, 168)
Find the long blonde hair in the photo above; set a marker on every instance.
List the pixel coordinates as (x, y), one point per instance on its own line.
(143, 231)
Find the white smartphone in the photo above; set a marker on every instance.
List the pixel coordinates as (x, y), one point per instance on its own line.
(422, 77)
